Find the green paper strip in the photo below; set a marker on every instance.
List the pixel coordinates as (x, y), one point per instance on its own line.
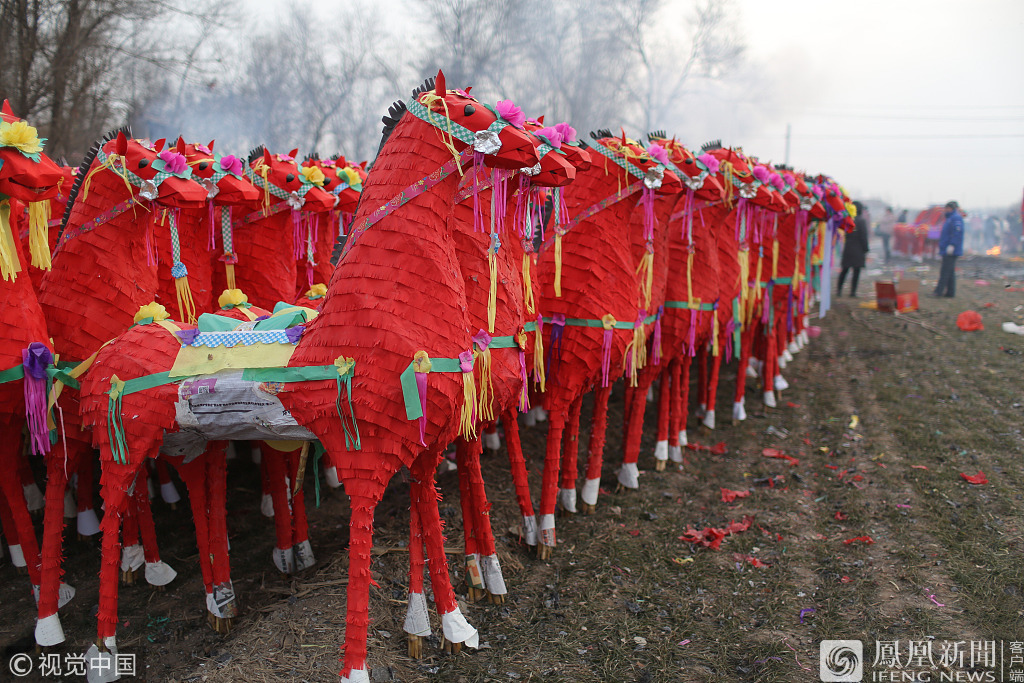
(12, 374)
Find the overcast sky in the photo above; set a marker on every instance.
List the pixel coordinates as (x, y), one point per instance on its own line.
(911, 101)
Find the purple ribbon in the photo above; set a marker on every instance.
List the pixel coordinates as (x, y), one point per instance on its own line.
(36, 359)
(555, 345)
(187, 336)
(295, 333)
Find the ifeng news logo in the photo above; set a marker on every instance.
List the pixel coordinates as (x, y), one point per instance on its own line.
(841, 661)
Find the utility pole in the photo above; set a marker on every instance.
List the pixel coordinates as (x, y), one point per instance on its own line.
(789, 130)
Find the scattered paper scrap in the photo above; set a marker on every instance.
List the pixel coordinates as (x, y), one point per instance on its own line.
(728, 495)
(776, 453)
(977, 479)
(805, 611)
(932, 598)
(866, 540)
(854, 421)
(711, 537)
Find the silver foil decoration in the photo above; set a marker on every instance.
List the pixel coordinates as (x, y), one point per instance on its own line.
(486, 141)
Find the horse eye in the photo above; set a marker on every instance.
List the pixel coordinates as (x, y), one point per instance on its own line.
(289, 178)
(203, 165)
(327, 181)
(689, 161)
(468, 111)
(144, 163)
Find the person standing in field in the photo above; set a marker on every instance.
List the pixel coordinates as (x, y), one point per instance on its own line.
(951, 246)
(855, 250)
(885, 229)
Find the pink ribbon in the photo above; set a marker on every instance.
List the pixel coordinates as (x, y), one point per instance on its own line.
(421, 385)
(524, 392)
(606, 356)
(656, 343)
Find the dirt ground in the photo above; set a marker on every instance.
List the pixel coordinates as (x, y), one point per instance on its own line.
(883, 415)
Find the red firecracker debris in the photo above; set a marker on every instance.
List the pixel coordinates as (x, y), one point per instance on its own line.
(728, 495)
(977, 479)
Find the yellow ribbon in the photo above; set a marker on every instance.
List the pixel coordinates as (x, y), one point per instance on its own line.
(528, 287)
(10, 265)
(38, 234)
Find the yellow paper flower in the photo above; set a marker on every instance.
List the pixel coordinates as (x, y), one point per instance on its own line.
(352, 176)
(21, 136)
(851, 209)
(317, 291)
(313, 174)
(152, 310)
(232, 297)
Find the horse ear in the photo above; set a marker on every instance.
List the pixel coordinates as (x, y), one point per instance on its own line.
(210, 146)
(294, 154)
(180, 147)
(439, 85)
(159, 144)
(362, 164)
(267, 159)
(468, 88)
(7, 108)
(623, 135)
(540, 119)
(121, 144)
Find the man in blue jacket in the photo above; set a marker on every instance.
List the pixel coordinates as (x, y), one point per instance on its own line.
(951, 245)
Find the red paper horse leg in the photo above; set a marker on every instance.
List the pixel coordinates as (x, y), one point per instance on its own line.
(712, 395)
(666, 390)
(570, 455)
(266, 498)
(629, 474)
(88, 523)
(465, 453)
(33, 496)
(746, 347)
(158, 573)
(52, 593)
(487, 565)
(168, 493)
(277, 472)
(10, 487)
(11, 534)
(771, 368)
(702, 380)
(520, 478)
(549, 484)
(221, 606)
(595, 449)
(304, 558)
(132, 557)
(417, 619)
(193, 473)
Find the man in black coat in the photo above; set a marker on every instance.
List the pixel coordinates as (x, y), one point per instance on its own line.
(855, 250)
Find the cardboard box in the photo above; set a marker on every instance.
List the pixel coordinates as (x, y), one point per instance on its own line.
(897, 297)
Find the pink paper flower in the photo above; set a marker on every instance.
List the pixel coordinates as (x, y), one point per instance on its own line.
(761, 173)
(511, 113)
(173, 162)
(776, 180)
(710, 161)
(790, 180)
(567, 131)
(231, 164)
(552, 134)
(658, 153)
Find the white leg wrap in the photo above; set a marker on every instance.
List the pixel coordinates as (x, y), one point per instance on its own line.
(267, 506)
(49, 631)
(530, 420)
(591, 488)
(751, 370)
(567, 499)
(34, 497)
(804, 337)
(457, 629)
(675, 454)
(356, 676)
(629, 476)
(682, 438)
(491, 570)
(169, 493)
(650, 394)
(257, 455)
(780, 383)
(159, 573)
(793, 347)
(782, 361)
(304, 558)
(540, 414)
(709, 419)
(769, 399)
(417, 621)
(739, 411)
(547, 529)
(132, 558)
(702, 410)
(221, 602)
(492, 441)
(661, 450)
(17, 556)
(88, 523)
(65, 594)
(70, 507)
(530, 530)
(331, 475)
(284, 560)
(101, 667)
(788, 356)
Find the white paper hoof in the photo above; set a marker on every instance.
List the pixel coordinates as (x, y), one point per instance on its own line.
(589, 492)
(787, 355)
(780, 383)
(682, 438)
(230, 453)
(739, 412)
(331, 475)
(709, 419)
(417, 621)
(769, 399)
(221, 602)
(675, 454)
(284, 560)
(540, 414)
(257, 455)
(492, 441)
(159, 573)
(267, 506)
(650, 394)
(491, 570)
(65, 594)
(34, 497)
(701, 411)
(547, 530)
(782, 362)
(88, 523)
(530, 530)
(793, 347)
(356, 676)
(169, 493)
(530, 420)
(17, 556)
(661, 450)
(70, 507)
(101, 667)
(132, 558)
(49, 631)
(457, 629)
(629, 476)
(304, 558)
(567, 499)
(757, 364)
(751, 370)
